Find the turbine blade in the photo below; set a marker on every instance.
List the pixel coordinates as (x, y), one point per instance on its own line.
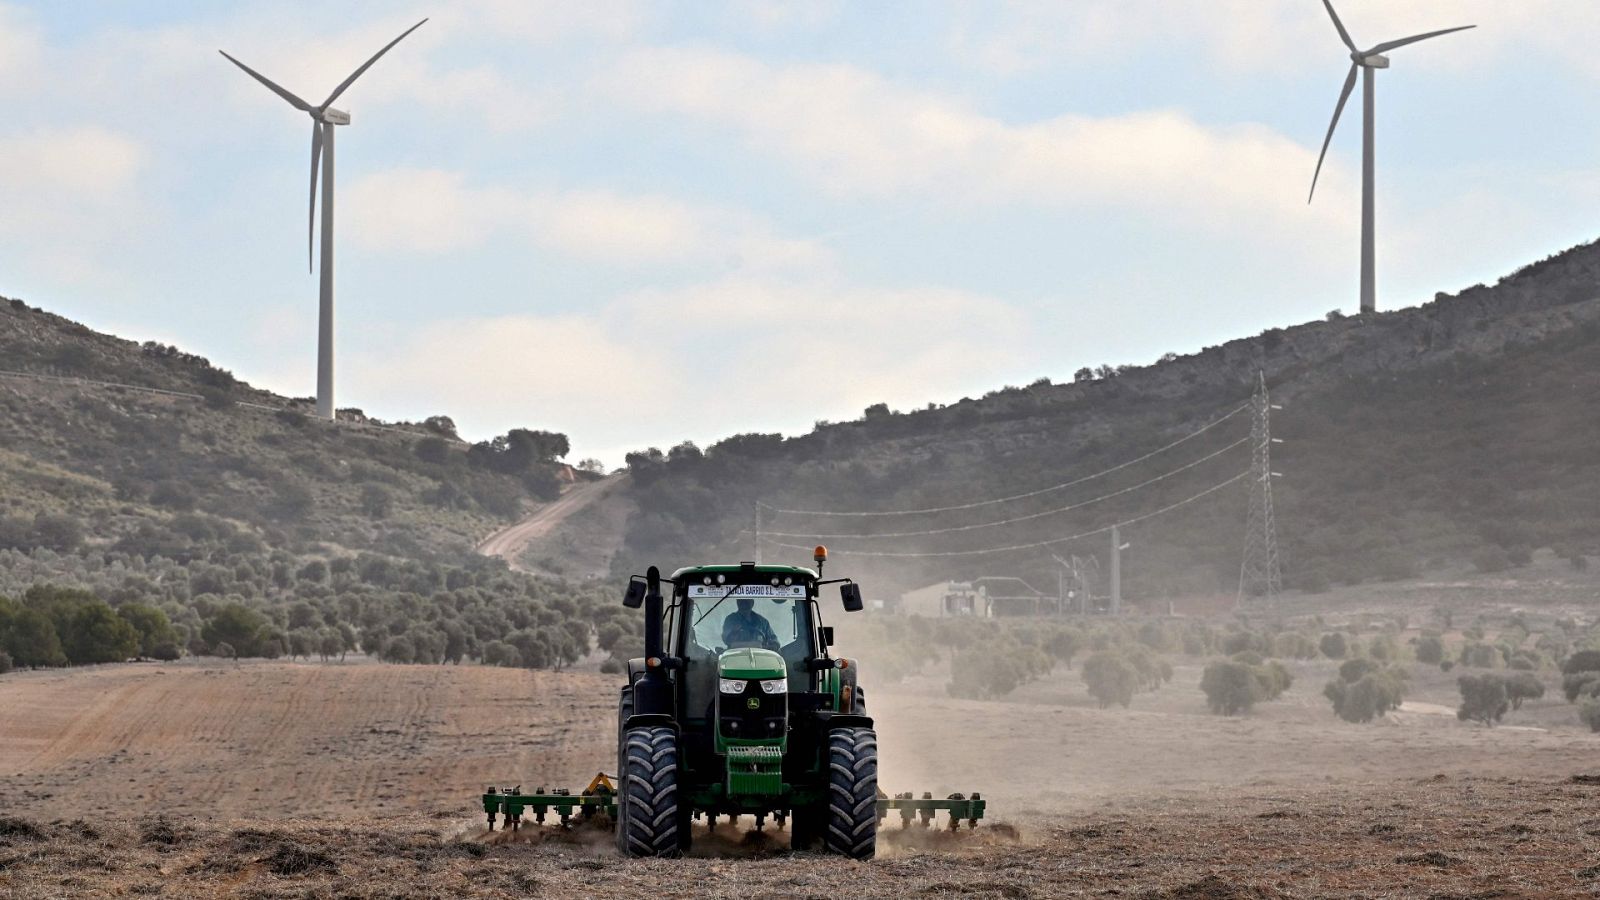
(1344, 95)
(311, 217)
(367, 65)
(1343, 35)
(293, 100)
(1386, 46)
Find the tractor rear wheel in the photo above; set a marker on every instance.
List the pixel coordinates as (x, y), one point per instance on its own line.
(651, 823)
(624, 710)
(852, 824)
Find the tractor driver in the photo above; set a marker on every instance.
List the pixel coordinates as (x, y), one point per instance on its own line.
(745, 627)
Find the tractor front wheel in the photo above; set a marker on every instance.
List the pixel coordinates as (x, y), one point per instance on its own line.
(852, 823)
(652, 824)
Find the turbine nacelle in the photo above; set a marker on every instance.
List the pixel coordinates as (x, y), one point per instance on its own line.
(1371, 61)
(331, 116)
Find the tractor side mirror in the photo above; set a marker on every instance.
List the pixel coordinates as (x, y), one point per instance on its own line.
(633, 598)
(851, 595)
(826, 634)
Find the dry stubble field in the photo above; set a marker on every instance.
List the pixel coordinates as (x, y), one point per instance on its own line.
(277, 779)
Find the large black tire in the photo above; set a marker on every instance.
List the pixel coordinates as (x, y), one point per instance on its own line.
(852, 826)
(624, 710)
(652, 824)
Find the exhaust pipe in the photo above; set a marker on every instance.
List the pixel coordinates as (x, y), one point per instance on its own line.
(652, 695)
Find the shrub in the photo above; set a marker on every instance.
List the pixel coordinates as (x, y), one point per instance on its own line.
(57, 531)
(1589, 713)
(176, 495)
(1063, 644)
(992, 668)
(1273, 679)
(432, 450)
(1333, 645)
(1230, 687)
(1491, 559)
(500, 653)
(1294, 645)
(1525, 661)
(238, 627)
(1237, 642)
(1582, 661)
(5, 662)
(29, 637)
(1110, 678)
(1522, 686)
(1365, 690)
(154, 630)
(1351, 670)
(1383, 648)
(1580, 684)
(376, 502)
(1430, 649)
(1479, 655)
(98, 635)
(1483, 698)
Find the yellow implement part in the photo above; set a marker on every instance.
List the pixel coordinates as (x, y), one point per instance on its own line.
(601, 782)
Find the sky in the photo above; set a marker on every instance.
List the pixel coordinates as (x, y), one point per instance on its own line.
(642, 223)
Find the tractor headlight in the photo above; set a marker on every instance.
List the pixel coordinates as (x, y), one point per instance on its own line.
(775, 686)
(733, 686)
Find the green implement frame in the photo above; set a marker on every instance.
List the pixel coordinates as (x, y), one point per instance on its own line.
(510, 804)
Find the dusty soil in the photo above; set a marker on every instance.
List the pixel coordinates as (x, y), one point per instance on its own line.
(277, 779)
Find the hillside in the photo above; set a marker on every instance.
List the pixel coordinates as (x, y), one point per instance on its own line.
(1461, 430)
(214, 516)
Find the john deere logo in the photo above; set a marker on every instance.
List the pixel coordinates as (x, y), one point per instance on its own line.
(752, 703)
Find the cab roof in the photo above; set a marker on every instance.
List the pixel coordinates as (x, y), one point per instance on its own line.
(735, 568)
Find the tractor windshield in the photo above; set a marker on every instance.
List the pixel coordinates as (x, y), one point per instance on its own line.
(769, 617)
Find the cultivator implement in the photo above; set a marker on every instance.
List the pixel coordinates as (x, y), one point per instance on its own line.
(507, 806)
(599, 798)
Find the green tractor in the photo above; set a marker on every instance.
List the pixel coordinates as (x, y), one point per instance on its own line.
(739, 708)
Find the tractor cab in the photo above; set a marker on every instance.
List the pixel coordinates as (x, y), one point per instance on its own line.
(716, 609)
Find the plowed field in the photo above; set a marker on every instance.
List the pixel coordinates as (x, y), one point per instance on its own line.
(276, 779)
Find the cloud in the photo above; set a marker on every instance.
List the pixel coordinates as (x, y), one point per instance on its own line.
(666, 364)
(1251, 36)
(81, 164)
(421, 210)
(856, 133)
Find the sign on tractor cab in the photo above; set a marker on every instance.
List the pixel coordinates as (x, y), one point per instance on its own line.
(773, 591)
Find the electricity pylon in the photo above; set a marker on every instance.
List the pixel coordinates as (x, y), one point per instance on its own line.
(1259, 573)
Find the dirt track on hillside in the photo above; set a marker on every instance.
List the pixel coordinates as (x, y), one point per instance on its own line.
(508, 543)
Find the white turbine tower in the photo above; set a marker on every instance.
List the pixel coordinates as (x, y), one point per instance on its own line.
(1367, 61)
(323, 120)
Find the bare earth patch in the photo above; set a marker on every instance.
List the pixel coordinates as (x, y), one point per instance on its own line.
(278, 779)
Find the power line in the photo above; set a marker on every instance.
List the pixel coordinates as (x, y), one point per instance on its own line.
(1029, 517)
(1036, 544)
(978, 503)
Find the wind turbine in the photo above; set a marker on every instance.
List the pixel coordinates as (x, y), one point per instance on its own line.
(1367, 61)
(323, 120)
